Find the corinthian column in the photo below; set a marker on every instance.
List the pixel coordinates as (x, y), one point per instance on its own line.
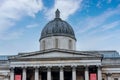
(109, 76)
(36, 73)
(49, 73)
(99, 73)
(24, 74)
(12, 74)
(61, 73)
(86, 73)
(74, 73)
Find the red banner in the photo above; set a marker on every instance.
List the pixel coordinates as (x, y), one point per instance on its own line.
(93, 76)
(18, 77)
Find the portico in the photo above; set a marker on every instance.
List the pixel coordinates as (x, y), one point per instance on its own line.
(57, 72)
(73, 73)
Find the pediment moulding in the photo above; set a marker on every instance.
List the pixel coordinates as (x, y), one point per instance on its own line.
(87, 53)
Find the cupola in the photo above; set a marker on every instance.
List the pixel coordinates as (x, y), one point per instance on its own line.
(57, 34)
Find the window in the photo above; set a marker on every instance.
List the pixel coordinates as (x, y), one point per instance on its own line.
(70, 44)
(43, 45)
(56, 43)
(115, 78)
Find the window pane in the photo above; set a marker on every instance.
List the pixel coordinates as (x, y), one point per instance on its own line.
(56, 43)
(70, 44)
(115, 78)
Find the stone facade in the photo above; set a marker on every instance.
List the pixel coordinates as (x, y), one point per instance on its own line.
(60, 42)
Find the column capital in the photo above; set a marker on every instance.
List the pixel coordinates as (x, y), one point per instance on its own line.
(99, 66)
(86, 67)
(12, 68)
(74, 66)
(24, 67)
(36, 67)
(109, 74)
(61, 67)
(49, 67)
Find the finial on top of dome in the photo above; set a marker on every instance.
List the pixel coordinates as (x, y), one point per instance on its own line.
(57, 14)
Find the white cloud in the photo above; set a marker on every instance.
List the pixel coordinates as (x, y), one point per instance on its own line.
(108, 41)
(13, 10)
(105, 27)
(10, 35)
(110, 26)
(5, 24)
(66, 7)
(109, 1)
(32, 25)
(93, 22)
(96, 34)
(99, 4)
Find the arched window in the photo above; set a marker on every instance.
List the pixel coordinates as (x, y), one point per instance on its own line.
(70, 44)
(43, 44)
(56, 43)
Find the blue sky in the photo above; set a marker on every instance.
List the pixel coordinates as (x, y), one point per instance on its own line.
(96, 23)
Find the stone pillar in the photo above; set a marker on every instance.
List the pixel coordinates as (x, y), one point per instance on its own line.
(73, 73)
(99, 73)
(6, 78)
(61, 73)
(49, 73)
(86, 73)
(119, 78)
(36, 73)
(40, 77)
(24, 74)
(12, 74)
(109, 76)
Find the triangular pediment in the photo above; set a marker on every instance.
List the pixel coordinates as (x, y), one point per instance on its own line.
(56, 54)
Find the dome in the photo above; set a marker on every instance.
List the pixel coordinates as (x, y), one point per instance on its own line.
(57, 27)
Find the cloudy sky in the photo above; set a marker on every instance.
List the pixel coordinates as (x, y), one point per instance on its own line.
(96, 23)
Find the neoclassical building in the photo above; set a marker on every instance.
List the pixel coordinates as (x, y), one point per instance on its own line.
(58, 59)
